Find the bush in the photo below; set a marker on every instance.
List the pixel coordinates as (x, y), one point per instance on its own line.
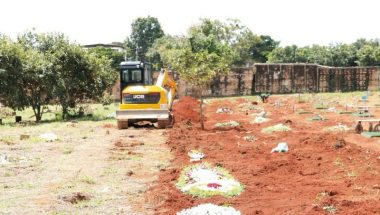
(107, 99)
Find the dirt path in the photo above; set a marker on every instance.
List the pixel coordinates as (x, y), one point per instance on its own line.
(92, 169)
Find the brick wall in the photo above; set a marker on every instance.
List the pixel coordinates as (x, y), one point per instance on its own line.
(284, 78)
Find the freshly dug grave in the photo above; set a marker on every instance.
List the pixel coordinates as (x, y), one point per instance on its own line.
(314, 177)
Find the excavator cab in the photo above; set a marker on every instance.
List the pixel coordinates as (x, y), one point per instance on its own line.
(140, 99)
(134, 73)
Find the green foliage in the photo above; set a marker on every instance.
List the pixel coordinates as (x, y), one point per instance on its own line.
(107, 99)
(40, 68)
(276, 128)
(201, 55)
(330, 209)
(116, 57)
(25, 77)
(11, 55)
(145, 30)
(227, 124)
(360, 53)
(252, 48)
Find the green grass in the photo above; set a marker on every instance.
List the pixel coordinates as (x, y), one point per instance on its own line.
(275, 128)
(87, 179)
(8, 139)
(67, 150)
(99, 113)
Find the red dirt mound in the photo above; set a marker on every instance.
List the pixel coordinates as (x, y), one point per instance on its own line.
(186, 109)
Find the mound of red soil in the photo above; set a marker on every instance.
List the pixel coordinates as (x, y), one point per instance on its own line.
(314, 177)
(186, 109)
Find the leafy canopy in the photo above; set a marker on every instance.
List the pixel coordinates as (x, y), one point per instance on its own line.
(145, 30)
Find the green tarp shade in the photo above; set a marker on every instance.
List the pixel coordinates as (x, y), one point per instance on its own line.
(362, 114)
(316, 119)
(305, 112)
(345, 112)
(370, 134)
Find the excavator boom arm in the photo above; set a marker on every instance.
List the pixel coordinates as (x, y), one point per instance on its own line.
(164, 80)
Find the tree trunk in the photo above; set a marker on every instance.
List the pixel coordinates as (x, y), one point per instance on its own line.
(37, 112)
(64, 112)
(201, 113)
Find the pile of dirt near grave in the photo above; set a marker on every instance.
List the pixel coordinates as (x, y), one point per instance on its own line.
(186, 110)
(313, 177)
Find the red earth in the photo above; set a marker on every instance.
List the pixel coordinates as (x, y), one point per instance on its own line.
(321, 172)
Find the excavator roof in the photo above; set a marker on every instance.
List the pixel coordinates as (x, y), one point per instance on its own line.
(132, 64)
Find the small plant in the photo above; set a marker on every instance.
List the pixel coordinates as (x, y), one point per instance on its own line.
(87, 179)
(340, 143)
(9, 140)
(276, 128)
(35, 140)
(330, 209)
(264, 97)
(352, 174)
(89, 203)
(227, 124)
(320, 196)
(136, 158)
(249, 138)
(338, 162)
(67, 150)
(109, 171)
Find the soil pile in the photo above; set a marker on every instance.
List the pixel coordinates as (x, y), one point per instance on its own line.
(186, 109)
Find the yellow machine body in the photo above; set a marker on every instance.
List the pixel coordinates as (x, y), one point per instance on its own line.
(141, 102)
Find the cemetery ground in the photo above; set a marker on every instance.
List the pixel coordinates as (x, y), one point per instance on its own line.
(94, 168)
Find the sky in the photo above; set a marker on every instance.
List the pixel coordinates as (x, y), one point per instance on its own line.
(299, 22)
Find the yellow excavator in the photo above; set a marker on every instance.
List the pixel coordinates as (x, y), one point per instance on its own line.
(141, 100)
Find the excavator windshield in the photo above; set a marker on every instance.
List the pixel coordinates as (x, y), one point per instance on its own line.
(132, 75)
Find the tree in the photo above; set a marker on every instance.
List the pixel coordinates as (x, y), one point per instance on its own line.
(285, 54)
(37, 81)
(145, 30)
(79, 75)
(360, 53)
(200, 56)
(369, 56)
(11, 63)
(25, 77)
(115, 56)
(41, 67)
(252, 48)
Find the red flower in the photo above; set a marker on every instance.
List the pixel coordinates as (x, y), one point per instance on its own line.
(214, 185)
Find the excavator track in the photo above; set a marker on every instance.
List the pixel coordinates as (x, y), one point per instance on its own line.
(121, 124)
(166, 123)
